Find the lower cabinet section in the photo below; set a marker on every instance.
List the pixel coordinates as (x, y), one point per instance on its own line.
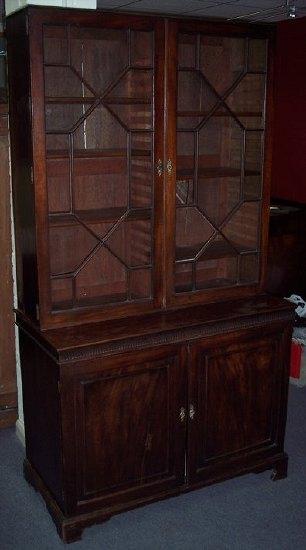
(139, 426)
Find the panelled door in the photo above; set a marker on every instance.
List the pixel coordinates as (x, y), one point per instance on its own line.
(234, 403)
(95, 104)
(216, 174)
(130, 428)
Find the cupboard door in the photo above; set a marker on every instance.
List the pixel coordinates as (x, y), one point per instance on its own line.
(131, 440)
(99, 77)
(218, 187)
(235, 396)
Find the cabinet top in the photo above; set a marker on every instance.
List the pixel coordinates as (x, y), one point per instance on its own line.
(211, 25)
(173, 327)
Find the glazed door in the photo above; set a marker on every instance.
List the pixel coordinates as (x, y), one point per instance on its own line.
(236, 389)
(101, 78)
(131, 438)
(216, 178)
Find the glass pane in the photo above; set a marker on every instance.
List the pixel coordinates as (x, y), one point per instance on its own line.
(220, 108)
(217, 197)
(192, 232)
(257, 55)
(187, 51)
(130, 242)
(247, 100)
(183, 277)
(140, 284)
(220, 149)
(249, 268)
(99, 145)
(194, 95)
(62, 82)
(253, 165)
(242, 230)
(141, 49)
(70, 244)
(102, 280)
(101, 131)
(63, 118)
(57, 145)
(141, 170)
(92, 49)
(222, 60)
(62, 292)
(216, 273)
(58, 180)
(56, 45)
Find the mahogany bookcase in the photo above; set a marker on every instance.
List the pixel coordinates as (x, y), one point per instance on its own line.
(153, 362)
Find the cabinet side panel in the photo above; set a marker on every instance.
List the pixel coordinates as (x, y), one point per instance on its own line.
(42, 413)
(21, 159)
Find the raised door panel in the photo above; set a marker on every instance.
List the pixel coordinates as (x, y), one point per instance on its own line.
(97, 119)
(236, 394)
(217, 185)
(130, 438)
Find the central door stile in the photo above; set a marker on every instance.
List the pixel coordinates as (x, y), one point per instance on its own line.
(170, 153)
(159, 163)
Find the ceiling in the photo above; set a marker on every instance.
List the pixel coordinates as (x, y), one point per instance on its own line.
(239, 10)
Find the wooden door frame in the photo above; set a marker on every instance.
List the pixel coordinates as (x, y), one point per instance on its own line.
(37, 18)
(173, 28)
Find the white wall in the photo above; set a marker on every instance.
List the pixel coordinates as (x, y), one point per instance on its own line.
(13, 5)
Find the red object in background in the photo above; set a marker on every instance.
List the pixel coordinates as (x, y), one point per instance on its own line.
(295, 360)
(289, 155)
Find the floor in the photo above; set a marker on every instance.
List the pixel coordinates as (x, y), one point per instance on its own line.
(248, 513)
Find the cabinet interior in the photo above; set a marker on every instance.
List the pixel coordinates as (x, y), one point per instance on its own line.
(99, 154)
(100, 134)
(220, 131)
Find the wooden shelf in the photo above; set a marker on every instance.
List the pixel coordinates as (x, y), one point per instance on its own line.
(224, 113)
(69, 100)
(221, 282)
(99, 216)
(94, 301)
(213, 172)
(214, 251)
(107, 100)
(127, 100)
(96, 153)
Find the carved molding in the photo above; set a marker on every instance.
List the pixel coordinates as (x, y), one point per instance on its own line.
(173, 336)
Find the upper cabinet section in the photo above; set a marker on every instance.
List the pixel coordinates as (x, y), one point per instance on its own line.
(118, 226)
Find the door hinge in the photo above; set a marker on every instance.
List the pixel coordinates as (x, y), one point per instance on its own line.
(32, 175)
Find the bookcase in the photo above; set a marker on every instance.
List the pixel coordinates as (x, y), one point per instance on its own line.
(153, 362)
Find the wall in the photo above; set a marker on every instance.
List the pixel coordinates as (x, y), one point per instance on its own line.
(8, 394)
(13, 5)
(289, 159)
